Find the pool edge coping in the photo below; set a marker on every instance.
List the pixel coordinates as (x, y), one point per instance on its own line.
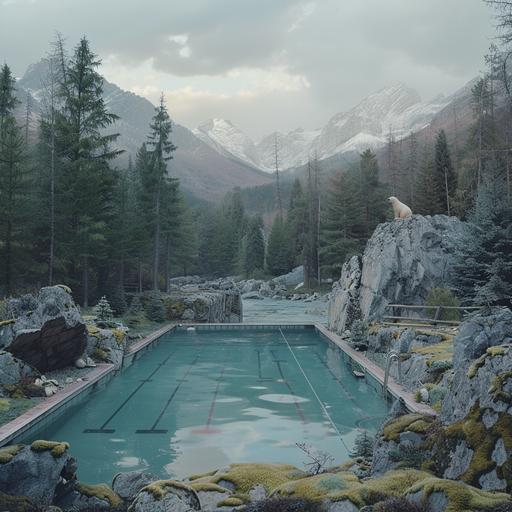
(49, 405)
(395, 389)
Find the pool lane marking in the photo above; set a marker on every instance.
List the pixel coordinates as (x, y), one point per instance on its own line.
(298, 407)
(260, 375)
(322, 405)
(153, 429)
(207, 429)
(102, 429)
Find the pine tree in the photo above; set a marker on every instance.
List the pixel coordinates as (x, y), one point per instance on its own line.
(87, 182)
(444, 175)
(13, 181)
(279, 258)
(296, 221)
(254, 247)
(156, 178)
(429, 197)
(482, 268)
(103, 311)
(343, 229)
(372, 193)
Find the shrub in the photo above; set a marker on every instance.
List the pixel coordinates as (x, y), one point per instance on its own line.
(363, 446)
(443, 297)
(359, 335)
(103, 311)
(400, 505)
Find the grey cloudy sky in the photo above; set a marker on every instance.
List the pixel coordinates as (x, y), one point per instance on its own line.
(263, 64)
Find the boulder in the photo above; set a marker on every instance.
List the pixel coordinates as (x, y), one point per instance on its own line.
(166, 496)
(293, 278)
(48, 332)
(86, 498)
(127, 485)
(107, 345)
(35, 471)
(14, 371)
(403, 260)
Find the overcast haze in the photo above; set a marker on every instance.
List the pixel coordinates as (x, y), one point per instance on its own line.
(263, 64)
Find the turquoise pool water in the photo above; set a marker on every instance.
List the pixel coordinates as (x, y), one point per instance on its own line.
(201, 400)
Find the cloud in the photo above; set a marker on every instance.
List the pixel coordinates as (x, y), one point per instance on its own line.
(295, 61)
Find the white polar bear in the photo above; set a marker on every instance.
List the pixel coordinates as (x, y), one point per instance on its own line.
(401, 210)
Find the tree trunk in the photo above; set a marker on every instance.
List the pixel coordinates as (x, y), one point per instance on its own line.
(156, 256)
(85, 281)
(167, 265)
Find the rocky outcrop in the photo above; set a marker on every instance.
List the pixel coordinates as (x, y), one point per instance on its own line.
(402, 262)
(470, 440)
(47, 331)
(107, 345)
(212, 306)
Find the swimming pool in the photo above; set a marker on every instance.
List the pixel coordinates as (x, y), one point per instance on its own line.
(200, 400)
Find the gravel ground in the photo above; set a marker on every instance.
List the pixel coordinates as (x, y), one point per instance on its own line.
(74, 373)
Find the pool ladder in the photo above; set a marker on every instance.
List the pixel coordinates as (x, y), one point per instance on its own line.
(390, 357)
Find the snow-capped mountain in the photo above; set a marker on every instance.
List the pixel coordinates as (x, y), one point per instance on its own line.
(228, 140)
(395, 110)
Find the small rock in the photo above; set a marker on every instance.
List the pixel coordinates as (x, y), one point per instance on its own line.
(80, 363)
(69, 380)
(50, 390)
(424, 395)
(89, 363)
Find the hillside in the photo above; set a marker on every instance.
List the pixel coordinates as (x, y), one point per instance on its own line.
(203, 172)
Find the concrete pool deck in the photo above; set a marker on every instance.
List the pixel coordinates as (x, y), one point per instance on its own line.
(45, 411)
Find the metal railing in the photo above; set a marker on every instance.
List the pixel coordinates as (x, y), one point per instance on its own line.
(425, 321)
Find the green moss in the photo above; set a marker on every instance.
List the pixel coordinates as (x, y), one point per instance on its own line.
(5, 405)
(197, 476)
(7, 453)
(461, 497)
(56, 448)
(232, 501)
(64, 287)
(160, 488)
(482, 441)
(100, 354)
(346, 486)
(93, 330)
(476, 365)
(16, 503)
(245, 476)
(7, 322)
(119, 335)
(418, 423)
(496, 351)
(14, 391)
(497, 385)
(102, 492)
(417, 396)
(439, 351)
(207, 487)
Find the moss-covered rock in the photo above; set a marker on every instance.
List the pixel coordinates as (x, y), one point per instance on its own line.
(459, 496)
(7, 453)
(16, 503)
(165, 495)
(56, 448)
(418, 423)
(101, 492)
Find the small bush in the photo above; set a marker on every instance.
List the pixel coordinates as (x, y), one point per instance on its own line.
(443, 297)
(359, 335)
(284, 504)
(103, 311)
(400, 505)
(363, 446)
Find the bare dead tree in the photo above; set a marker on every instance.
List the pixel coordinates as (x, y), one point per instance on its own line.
(318, 459)
(276, 168)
